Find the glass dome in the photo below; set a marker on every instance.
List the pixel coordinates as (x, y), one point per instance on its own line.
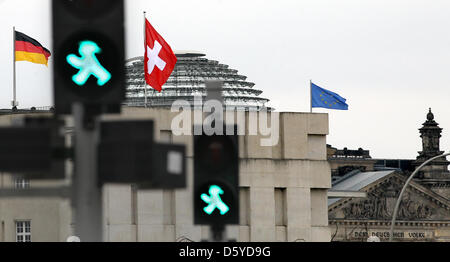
(188, 80)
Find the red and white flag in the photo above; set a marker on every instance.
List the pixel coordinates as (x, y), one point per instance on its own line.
(159, 59)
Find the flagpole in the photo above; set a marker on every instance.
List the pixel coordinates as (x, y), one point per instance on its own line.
(310, 94)
(14, 102)
(145, 46)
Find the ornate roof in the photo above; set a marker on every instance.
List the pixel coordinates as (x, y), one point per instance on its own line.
(420, 203)
(188, 80)
(431, 134)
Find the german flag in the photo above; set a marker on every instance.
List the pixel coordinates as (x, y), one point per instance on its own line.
(28, 49)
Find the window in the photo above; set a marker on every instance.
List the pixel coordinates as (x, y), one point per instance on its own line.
(23, 231)
(244, 206)
(134, 204)
(169, 207)
(21, 183)
(280, 207)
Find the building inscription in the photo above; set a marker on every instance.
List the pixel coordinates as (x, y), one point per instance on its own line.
(385, 234)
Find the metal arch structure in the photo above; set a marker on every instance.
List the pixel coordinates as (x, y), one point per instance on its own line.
(399, 200)
(188, 81)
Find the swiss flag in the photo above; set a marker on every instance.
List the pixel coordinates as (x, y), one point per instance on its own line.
(159, 59)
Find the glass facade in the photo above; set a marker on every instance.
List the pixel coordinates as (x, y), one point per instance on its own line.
(188, 80)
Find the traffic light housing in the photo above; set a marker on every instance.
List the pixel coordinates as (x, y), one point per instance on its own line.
(127, 154)
(169, 168)
(125, 151)
(88, 44)
(216, 179)
(35, 150)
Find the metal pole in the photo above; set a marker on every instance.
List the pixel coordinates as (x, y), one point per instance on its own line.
(214, 92)
(217, 233)
(145, 46)
(397, 204)
(87, 192)
(14, 102)
(310, 94)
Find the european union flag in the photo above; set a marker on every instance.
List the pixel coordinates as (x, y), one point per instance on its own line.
(326, 99)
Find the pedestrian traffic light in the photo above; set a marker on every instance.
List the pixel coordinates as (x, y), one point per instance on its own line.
(127, 154)
(169, 167)
(125, 151)
(88, 43)
(216, 179)
(35, 150)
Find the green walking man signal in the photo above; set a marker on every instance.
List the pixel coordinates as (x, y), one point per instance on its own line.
(216, 179)
(214, 201)
(88, 64)
(89, 55)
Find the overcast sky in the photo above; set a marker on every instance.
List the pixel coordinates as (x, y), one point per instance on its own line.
(389, 58)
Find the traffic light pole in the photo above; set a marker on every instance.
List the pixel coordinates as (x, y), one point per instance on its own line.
(217, 232)
(216, 173)
(87, 191)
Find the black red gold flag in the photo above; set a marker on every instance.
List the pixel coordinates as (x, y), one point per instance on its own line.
(28, 49)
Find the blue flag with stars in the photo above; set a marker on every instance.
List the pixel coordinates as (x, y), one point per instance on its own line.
(326, 99)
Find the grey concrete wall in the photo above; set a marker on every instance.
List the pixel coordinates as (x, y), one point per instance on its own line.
(50, 217)
(297, 166)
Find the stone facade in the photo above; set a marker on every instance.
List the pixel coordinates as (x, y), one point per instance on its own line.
(50, 217)
(424, 213)
(344, 161)
(283, 194)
